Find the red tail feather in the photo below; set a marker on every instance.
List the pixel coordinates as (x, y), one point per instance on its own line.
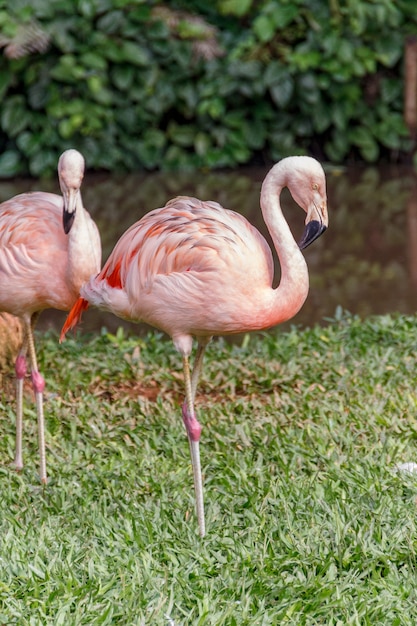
(74, 316)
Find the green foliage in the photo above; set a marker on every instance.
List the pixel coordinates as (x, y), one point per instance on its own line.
(135, 84)
(308, 519)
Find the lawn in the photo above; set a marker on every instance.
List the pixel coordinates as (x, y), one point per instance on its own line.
(308, 521)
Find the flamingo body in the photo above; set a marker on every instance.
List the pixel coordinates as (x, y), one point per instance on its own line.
(195, 269)
(42, 266)
(189, 251)
(34, 270)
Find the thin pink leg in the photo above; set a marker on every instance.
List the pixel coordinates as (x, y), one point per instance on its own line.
(191, 423)
(193, 428)
(20, 368)
(38, 384)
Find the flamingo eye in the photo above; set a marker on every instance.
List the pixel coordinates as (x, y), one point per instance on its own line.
(315, 186)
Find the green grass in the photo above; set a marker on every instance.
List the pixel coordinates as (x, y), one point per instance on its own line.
(308, 521)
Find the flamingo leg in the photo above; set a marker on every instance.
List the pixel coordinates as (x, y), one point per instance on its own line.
(198, 364)
(38, 384)
(193, 428)
(20, 369)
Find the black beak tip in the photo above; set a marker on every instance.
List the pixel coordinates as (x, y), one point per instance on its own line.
(312, 231)
(68, 219)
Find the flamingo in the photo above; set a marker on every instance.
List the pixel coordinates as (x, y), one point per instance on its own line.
(195, 269)
(49, 246)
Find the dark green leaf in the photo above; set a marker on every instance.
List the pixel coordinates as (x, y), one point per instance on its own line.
(122, 76)
(5, 80)
(9, 164)
(364, 140)
(282, 92)
(235, 7)
(93, 60)
(264, 28)
(111, 22)
(389, 48)
(181, 135)
(282, 14)
(43, 161)
(134, 53)
(29, 143)
(14, 116)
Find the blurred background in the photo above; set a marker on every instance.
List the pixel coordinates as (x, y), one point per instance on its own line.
(190, 97)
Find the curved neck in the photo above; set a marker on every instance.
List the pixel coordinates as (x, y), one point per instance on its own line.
(84, 251)
(289, 296)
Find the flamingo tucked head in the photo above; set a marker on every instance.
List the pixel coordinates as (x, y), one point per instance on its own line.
(71, 167)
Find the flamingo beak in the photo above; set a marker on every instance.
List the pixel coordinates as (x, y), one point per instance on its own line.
(316, 222)
(312, 231)
(70, 205)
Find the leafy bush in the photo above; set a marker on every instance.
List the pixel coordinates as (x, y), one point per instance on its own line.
(334, 71)
(135, 84)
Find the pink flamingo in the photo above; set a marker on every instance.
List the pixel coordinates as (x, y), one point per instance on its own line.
(49, 246)
(194, 269)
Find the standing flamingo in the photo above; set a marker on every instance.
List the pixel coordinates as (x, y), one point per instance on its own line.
(194, 269)
(49, 246)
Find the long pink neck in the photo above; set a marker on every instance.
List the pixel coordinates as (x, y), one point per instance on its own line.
(290, 295)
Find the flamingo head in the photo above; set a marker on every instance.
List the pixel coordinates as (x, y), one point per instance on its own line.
(307, 183)
(71, 173)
